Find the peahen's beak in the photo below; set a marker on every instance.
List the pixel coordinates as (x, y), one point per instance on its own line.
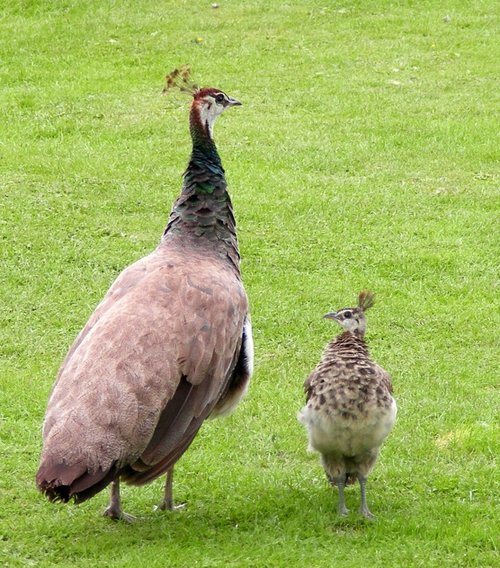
(233, 102)
(331, 315)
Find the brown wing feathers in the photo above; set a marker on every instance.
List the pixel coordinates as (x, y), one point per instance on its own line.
(163, 450)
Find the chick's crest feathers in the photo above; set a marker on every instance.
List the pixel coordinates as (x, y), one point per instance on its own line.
(366, 299)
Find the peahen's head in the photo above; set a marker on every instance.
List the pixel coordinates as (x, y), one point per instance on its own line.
(354, 319)
(208, 103)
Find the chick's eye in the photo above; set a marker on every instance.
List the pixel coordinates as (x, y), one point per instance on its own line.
(347, 315)
(219, 98)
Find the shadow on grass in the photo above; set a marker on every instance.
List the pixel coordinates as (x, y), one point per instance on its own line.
(266, 516)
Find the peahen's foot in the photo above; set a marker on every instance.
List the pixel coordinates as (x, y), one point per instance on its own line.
(167, 505)
(118, 515)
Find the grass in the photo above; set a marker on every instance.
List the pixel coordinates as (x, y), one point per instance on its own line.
(365, 155)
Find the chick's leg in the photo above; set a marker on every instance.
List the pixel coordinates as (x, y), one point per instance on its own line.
(340, 482)
(364, 507)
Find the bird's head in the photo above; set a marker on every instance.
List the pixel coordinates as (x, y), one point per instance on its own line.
(354, 319)
(208, 103)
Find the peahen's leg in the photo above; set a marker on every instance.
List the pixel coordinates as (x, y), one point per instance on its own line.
(114, 509)
(168, 501)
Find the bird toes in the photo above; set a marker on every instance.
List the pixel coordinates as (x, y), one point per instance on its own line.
(169, 506)
(118, 515)
(128, 518)
(366, 513)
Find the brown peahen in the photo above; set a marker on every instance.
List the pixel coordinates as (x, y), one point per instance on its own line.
(350, 409)
(169, 345)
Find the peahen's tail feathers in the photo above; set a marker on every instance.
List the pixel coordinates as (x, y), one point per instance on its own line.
(63, 482)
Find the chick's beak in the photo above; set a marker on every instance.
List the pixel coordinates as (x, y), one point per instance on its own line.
(233, 102)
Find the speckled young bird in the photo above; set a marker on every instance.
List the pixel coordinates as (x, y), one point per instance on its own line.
(350, 409)
(169, 345)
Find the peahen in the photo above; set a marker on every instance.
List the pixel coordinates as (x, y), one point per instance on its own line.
(169, 345)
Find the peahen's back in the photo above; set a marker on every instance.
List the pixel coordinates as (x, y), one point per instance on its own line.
(165, 325)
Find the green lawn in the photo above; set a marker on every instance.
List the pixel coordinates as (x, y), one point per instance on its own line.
(365, 156)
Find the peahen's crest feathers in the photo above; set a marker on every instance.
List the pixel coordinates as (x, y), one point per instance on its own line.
(366, 299)
(181, 79)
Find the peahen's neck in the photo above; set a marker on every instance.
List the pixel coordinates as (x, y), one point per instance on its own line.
(202, 215)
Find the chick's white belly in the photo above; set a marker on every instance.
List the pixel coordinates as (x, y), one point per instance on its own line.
(334, 434)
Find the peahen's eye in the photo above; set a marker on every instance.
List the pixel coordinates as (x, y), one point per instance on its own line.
(219, 98)
(347, 315)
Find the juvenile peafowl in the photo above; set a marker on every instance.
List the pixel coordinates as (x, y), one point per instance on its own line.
(169, 345)
(349, 405)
